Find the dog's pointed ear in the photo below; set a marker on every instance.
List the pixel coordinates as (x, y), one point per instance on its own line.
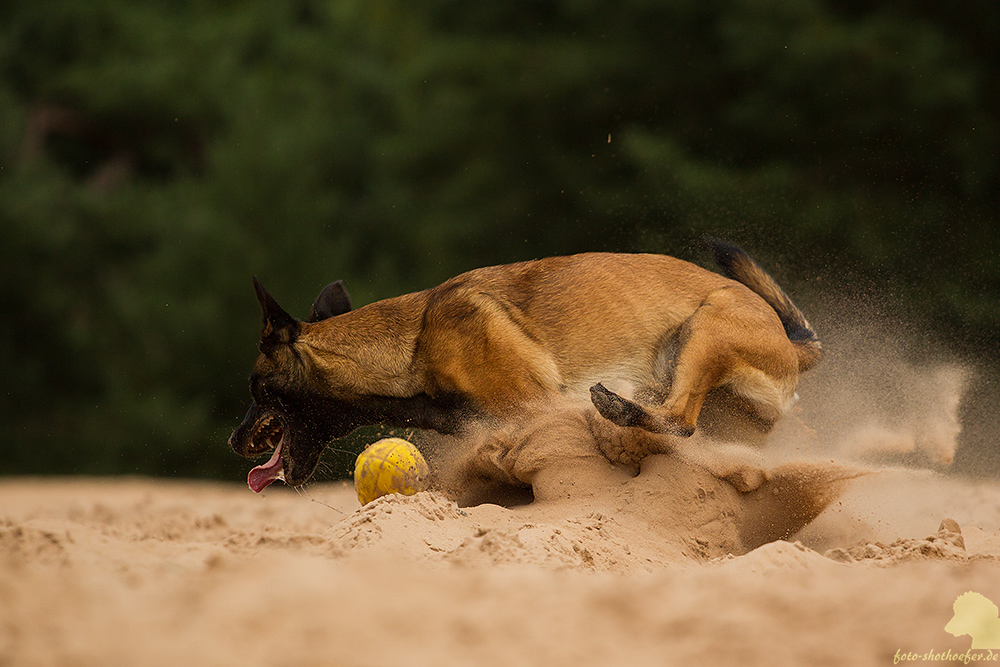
(280, 328)
(333, 300)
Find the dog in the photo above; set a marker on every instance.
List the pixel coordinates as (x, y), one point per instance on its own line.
(645, 337)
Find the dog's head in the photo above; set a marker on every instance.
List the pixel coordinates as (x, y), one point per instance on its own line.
(291, 415)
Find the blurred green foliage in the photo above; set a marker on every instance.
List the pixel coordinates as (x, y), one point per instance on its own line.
(154, 155)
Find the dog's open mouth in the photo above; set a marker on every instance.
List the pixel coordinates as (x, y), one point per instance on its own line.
(269, 434)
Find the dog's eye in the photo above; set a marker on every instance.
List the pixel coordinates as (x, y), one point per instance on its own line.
(257, 387)
(263, 392)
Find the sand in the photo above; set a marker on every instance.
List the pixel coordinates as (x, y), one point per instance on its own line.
(148, 572)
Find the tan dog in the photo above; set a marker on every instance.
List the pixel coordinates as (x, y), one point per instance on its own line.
(488, 343)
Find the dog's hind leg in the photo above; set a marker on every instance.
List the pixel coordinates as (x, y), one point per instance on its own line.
(731, 340)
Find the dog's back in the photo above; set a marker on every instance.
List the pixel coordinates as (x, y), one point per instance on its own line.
(563, 324)
(591, 316)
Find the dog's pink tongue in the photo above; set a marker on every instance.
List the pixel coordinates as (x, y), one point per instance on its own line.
(261, 476)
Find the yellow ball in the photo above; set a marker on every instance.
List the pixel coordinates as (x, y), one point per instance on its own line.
(391, 465)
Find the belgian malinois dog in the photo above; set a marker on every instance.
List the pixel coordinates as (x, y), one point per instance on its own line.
(647, 336)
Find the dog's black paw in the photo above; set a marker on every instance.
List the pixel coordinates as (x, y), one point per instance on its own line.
(624, 412)
(616, 409)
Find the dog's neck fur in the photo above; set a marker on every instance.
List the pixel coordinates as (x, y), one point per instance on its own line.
(371, 350)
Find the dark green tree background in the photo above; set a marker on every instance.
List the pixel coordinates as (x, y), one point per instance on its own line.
(154, 155)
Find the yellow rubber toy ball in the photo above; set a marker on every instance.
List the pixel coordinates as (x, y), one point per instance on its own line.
(391, 465)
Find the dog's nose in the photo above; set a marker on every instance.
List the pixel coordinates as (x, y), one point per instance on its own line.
(234, 442)
(240, 439)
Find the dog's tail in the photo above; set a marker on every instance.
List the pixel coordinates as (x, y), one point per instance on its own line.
(740, 266)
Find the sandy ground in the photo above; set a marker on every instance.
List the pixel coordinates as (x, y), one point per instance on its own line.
(147, 572)
(817, 566)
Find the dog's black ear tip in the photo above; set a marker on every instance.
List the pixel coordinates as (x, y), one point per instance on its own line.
(333, 300)
(274, 316)
(259, 288)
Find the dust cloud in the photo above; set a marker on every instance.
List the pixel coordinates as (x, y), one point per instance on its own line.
(890, 400)
(871, 401)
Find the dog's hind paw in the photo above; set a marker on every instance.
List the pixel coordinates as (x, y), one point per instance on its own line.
(624, 412)
(614, 408)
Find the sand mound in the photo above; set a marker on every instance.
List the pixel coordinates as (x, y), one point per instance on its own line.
(672, 511)
(947, 544)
